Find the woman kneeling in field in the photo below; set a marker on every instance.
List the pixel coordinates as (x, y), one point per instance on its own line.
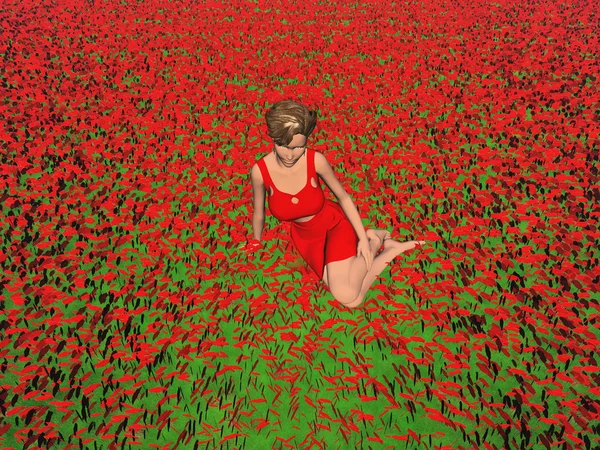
(329, 235)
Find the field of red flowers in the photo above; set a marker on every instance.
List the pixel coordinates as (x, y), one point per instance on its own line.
(130, 318)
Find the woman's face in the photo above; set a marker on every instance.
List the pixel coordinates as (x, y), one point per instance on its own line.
(290, 154)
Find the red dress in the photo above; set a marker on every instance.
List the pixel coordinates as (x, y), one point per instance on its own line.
(328, 236)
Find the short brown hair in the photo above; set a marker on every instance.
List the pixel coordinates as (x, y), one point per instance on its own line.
(287, 118)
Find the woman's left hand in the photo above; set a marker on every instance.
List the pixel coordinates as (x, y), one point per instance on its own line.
(364, 250)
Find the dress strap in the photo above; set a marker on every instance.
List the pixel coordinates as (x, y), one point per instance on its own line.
(265, 174)
(312, 171)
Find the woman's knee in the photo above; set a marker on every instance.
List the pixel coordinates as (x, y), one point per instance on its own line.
(340, 285)
(344, 294)
(354, 304)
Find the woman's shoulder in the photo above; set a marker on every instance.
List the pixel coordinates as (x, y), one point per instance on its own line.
(260, 161)
(319, 159)
(265, 158)
(256, 170)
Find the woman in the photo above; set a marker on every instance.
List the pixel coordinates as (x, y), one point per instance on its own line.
(329, 235)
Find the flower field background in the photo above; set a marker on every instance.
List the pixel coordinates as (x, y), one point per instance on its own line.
(132, 318)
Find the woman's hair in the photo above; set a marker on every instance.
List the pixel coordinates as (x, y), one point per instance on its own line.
(287, 118)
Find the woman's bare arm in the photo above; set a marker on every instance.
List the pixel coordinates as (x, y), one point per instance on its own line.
(258, 213)
(327, 174)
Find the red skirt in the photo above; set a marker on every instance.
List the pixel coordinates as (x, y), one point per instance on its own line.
(328, 236)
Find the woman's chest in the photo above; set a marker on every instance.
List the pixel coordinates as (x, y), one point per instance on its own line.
(291, 182)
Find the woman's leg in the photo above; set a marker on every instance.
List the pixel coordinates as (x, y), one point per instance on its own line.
(336, 274)
(375, 242)
(391, 250)
(349, 280)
